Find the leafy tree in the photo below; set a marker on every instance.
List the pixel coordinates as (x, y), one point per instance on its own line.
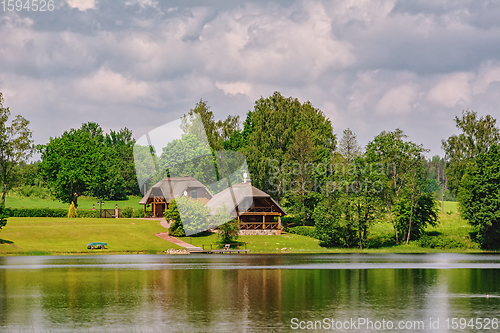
(331, 225)
(172, 213)
(401, 170)
(16, 146)
(479, 195)
(228, 232)
(72, 211)
(477, 135)
(422, 214)
(302, 151)
(274, 123)
(121, 146)
(79, 163)
(216, 132)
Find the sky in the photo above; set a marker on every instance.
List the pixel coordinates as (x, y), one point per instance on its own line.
(368, 65)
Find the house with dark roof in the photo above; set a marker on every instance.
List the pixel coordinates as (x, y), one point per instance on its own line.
(256, 211)
(159, 195)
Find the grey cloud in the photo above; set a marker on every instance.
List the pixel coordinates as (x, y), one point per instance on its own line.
(370, 66)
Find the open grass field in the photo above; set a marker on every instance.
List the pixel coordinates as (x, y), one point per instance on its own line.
(45, 235)
(15, 201)
(33, 236)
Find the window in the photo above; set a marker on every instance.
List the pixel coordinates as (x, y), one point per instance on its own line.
(194, 194)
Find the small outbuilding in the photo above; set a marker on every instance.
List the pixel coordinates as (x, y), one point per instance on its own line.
(256, 211)
(160, 194)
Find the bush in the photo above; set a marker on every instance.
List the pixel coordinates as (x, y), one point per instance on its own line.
(228, 232)
(36, 212)
(128, 212)
(32, 191)
(88, 213)
(303, 231)
(72, 211)
(441, 242)
(3, 216)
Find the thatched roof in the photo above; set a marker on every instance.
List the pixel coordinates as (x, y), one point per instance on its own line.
(171, 188)
(240, 196)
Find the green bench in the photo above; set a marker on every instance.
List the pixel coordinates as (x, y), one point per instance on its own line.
(96, 245)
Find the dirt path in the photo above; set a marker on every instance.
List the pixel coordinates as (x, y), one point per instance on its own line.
(174, 240)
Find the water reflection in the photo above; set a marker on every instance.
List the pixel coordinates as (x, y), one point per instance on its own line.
(244, 293)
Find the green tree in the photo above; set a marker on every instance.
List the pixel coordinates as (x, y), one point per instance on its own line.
(422, 214)
(121, 146)
(172, 213)
(400, 165)
(228, 232)
(331, 225)
(477, 135)
(79, 163)
(349, 147)
(16, 146)
(72, 211)
(303, 152)
(479, 195)
(274, 123)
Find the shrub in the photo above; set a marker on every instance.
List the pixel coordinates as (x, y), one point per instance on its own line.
(36, 212)
(128, 212)
(176, 228)
(3, 216)
(88, 213)
(72, 211)
(228, 232)
(32, 191)
(303, 231)
(442, 242)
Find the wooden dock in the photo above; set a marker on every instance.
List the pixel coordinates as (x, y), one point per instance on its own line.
(219, 249)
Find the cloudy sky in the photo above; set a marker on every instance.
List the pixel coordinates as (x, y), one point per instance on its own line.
(369, 65)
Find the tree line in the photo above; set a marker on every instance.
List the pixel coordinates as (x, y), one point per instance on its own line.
(294, 155)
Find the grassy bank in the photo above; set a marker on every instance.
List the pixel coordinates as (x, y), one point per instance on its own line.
(37, 235)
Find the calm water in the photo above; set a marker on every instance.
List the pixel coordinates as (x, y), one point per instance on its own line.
(254, 293)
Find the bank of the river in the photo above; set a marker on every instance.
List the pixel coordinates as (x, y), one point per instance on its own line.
(44, 236)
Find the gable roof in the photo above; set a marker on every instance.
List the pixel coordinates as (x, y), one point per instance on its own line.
(172, 187)
(234, 197)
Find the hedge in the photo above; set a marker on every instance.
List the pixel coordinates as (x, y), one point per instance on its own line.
(49, 212)
(302, 230)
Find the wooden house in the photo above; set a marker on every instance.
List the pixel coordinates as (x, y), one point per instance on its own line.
(159, 196)
(256, 211)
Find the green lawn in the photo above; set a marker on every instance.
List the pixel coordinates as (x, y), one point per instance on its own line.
(32, 235)
(15, 201)
(69, 236)
(381, 238)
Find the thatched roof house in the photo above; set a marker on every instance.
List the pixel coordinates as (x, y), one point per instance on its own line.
(255, 210)
(160, 194)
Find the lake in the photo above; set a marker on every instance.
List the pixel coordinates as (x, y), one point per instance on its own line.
(249, 293)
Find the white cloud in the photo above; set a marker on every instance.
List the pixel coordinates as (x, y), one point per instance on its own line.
(487, 75)
(397, 100)
(82, 4)
(452, 90)
(107, 86)
(233, 88)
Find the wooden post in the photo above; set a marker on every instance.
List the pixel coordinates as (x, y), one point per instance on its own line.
(154, 209)
(145, 209)
(279, 221)
(263, 221)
